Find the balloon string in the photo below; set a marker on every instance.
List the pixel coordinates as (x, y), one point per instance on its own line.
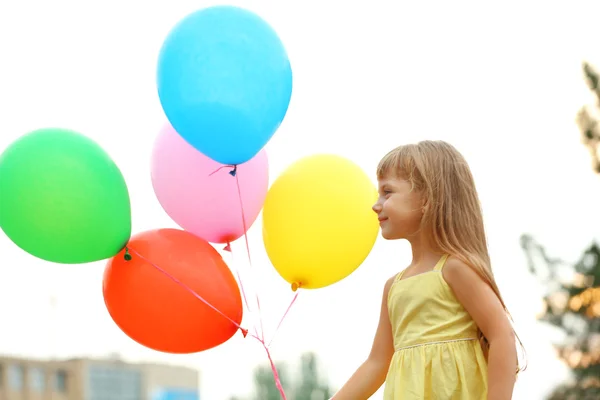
(261, 339)
(283, 317)
(262, 329)
(275, 373)
(237, 271)
(187, 288)
(239, 190)
(196, 295)
(232, 172)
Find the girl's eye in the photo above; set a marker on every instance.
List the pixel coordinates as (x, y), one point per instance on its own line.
(386, 192)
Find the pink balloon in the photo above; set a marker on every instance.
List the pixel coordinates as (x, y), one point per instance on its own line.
(201, 195)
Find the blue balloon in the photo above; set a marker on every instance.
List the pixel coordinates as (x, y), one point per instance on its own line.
(225, 82)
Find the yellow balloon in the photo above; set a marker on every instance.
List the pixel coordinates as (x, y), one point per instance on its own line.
(318, 225)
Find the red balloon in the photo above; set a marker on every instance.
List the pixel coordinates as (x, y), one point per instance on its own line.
(158, 313)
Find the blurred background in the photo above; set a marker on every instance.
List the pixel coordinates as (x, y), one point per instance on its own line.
(513, 85)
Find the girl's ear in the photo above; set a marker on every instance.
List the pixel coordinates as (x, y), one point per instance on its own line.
(425, 205)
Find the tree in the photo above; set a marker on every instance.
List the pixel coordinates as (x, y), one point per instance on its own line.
(310, 385)
(573, 306)
(264, 382)
(572, 291)
(588, 116)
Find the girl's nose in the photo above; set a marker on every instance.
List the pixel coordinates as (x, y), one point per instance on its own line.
(376, 207)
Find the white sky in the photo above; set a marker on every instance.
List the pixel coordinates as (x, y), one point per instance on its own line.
(502, 83)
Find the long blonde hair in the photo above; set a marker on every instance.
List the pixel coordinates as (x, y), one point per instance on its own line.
(453, 213)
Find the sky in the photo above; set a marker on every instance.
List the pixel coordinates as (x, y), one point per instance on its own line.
(501, 82)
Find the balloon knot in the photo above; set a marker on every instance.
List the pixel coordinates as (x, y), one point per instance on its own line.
(244, 332)
(127, 256)
(296, 286)
(227, 247)
(233, 172)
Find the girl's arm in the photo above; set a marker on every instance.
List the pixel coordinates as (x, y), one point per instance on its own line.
(478, 298)
(369, 377)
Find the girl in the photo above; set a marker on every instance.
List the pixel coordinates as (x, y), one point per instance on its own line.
(444, 332)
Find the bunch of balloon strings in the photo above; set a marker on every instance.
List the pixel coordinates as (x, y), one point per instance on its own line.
(258, 335)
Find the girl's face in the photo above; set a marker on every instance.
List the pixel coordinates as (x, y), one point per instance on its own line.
(399, 208)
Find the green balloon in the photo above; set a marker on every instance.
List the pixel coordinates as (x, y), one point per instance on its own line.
(62, 198)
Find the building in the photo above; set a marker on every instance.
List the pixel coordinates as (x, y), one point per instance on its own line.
(95, 379)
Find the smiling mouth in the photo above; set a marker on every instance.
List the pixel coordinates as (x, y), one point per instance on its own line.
(382, 220)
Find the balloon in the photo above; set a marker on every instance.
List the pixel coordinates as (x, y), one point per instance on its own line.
(200, 194)
(318, 226)
(225, 82)
(162, 315)
(62, 198)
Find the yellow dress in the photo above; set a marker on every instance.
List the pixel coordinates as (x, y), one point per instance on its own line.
(437, 352)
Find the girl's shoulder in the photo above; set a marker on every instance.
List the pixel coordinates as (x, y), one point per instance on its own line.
(393, 279)
(454, 269)
(389, 283)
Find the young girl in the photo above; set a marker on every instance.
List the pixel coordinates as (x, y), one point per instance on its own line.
(444, 332)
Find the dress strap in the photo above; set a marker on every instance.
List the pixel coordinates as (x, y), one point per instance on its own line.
(440, 264)
(399, 275)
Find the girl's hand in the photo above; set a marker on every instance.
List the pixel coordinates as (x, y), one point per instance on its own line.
(371, 374)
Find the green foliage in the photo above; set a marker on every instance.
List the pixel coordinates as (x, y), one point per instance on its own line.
(573, 304)
(589, 115)
(310, 384)
(264, 382)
